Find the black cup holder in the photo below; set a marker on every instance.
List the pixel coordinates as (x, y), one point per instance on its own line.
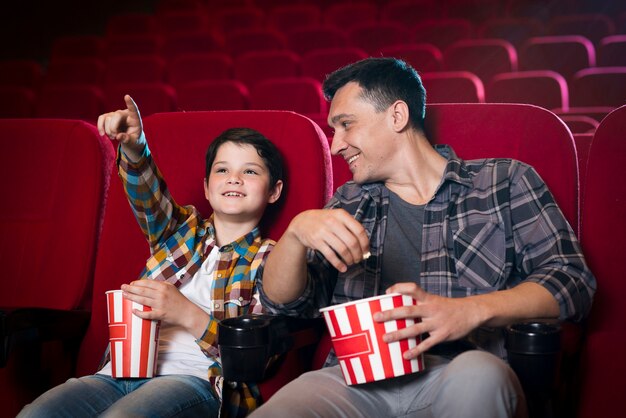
(248, 343)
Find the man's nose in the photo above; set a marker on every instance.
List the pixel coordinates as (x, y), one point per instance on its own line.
(337, 144)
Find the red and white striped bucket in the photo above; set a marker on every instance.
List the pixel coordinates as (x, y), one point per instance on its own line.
(134, 341)
(357, 339)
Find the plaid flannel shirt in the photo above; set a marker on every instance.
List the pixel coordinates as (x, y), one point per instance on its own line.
(491, 225)
(179, 242)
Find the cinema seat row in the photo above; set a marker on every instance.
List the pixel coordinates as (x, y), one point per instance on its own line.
(63, 191)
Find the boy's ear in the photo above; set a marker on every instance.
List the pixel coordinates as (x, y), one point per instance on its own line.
(205, 182)
(275, 192)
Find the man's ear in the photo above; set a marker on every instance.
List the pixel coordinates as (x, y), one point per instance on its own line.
(275, 192)
(399, 113)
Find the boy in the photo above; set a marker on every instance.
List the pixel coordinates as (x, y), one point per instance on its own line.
(201, 271)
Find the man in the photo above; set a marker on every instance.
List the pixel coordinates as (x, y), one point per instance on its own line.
(479, 244)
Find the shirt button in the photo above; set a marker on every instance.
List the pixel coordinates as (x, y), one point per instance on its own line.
(219, 275)
(216, 305)
(240, 298)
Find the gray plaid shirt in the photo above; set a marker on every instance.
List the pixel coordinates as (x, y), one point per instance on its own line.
(491, 225)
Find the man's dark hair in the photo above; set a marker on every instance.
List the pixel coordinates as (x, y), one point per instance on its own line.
(246, 136)
(383, 80)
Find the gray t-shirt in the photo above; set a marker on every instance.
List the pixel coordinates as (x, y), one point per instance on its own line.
(403, 241)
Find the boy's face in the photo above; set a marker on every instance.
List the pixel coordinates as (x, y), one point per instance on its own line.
(238, 183)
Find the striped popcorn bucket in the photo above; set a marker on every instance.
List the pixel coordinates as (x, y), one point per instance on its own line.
(133, 341)
(357, 339)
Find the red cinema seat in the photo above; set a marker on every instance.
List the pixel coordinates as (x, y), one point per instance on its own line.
(372, 37)
(453, 87)
(409, 12)
(77, 46)
(344, 15)
(525, 132)
(72, 101)
(190, 42)
(200, 67)
(288, 17)
(580, 124)
(593, 26)
(84, 70)
(318, 63)
(612, 51)
(235, 18)
(603, 223)
(17, 102)
(179, 142)
(49, 278)
(305, 39)
(150, 97)
(599, 86)
(441, 32)
(24, 73)
(260, 39)
(213, 95)
(181, 21)
(514, 30)
(422, 57)
(298, 94)
(131, 23)
(483, 57)
(564, 54)
(149, 68)
(255, 66)
(541, 88)
(134, 44)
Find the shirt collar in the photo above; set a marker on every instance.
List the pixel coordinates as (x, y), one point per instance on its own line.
(456, 170)
(241, 245)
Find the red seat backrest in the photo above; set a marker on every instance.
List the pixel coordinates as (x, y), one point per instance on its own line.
(56, 175)
(179, 142)
(524, 132)
(603, 225)
(547, 89)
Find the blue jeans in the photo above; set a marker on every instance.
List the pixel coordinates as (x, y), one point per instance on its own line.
(161, 396)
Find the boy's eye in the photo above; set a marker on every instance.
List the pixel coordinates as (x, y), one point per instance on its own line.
(220, 170)
(250, 171)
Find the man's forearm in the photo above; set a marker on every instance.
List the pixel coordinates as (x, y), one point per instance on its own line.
(285, 272)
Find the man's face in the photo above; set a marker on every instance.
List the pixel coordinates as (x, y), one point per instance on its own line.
(362, 135)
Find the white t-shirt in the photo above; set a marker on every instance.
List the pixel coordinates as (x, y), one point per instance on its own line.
(178, 351)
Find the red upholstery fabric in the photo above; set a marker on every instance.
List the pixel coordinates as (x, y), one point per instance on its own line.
(564, 54)
(16, 102)
(524, 132)
(540, 88)
(343, 15)
(600, 86)
(320, 62)
(247, 40)
(603, 223)
(298, 94)
(82, 70)
(252, 67)
(483, 57)
(292, 16)
(580, 124)
(150, 97)
(54, 173)
(408, 12)
(514, 30)
(310, 38)
(441, 32)
(179, 142)
(199, 67)
(453, 87)
(372, 37)
(71, 101)
(186, 42)
(612, 51)
(147, 68)
(25, 73)
(213, 95)
(423, 57)
(593, 26)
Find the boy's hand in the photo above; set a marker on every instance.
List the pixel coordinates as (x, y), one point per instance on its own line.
(168, 305)
(123, 125)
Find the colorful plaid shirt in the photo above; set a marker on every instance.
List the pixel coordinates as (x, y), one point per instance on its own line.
(491, 225)
(180, 239)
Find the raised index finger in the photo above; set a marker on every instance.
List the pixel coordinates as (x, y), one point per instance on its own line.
(131, 106)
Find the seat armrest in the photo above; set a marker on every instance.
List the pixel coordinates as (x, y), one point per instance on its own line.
(38, 325)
